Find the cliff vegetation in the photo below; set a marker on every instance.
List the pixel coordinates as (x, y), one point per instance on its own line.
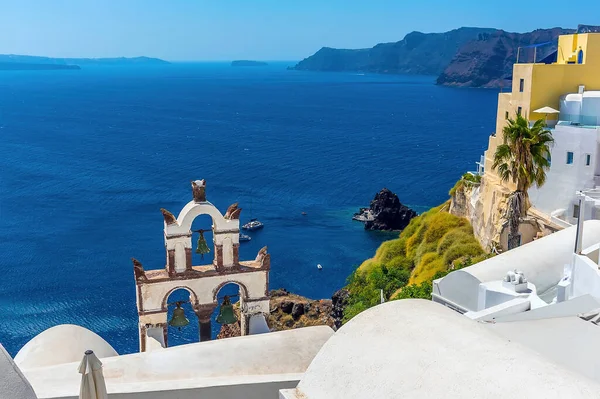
(432, 245)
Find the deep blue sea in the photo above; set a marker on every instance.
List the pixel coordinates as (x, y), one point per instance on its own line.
(88, 157)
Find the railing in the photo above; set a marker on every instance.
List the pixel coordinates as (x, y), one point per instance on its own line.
(580, 120)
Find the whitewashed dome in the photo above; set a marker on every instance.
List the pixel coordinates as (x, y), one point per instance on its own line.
(64, 343)
(420, 349)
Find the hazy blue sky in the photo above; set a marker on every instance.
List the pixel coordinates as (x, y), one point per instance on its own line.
(258, 29)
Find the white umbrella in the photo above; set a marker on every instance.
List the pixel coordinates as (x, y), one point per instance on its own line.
(547, 110)
(92, 380)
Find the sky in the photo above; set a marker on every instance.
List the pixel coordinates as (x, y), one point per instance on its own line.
(205, 30)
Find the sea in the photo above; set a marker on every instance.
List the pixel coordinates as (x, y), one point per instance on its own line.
(88, 157)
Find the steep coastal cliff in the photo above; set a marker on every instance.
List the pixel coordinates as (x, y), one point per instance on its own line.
(488, 60)
(418, 53)
(467, 57)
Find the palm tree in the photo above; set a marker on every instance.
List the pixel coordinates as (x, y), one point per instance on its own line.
(523, 159)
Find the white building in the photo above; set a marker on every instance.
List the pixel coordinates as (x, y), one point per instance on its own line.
(575, 161)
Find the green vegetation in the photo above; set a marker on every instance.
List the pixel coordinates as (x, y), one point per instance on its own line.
(432, 245)
(523, 159)
(467, 180)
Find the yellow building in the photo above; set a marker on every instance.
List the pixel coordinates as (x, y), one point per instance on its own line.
(539, 85)
(534, 86)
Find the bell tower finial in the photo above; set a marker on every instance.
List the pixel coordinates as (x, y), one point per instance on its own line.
(199, 190)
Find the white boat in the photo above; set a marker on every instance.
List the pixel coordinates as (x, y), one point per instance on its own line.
(319, 266)
(244, 237)
(253, 224)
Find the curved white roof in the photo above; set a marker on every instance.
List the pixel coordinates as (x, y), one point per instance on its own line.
(542, 261)
(251, 359)
(415, 348)
(64, 343)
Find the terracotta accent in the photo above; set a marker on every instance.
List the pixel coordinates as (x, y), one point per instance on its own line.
(199, 190)
(267, 284)
(171, 262)
(263, 258)
(188, 259)
(236, 255)
(204, 311)
(138, 270)
(168, 216)
(142, 338)
(230, 231)
(233, 212)
(140, 300)
(219, 257)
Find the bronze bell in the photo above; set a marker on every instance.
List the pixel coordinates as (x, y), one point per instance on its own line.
(178, 320)
(226, 314)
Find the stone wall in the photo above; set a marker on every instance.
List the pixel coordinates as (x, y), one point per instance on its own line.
(484, 205)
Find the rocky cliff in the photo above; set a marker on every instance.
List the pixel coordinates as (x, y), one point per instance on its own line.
(418, 53)
(488, 60)
(470, 57)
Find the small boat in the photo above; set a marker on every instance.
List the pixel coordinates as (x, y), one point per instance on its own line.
(303, 213)
(253, 224)
(244, 237)
(319, 266)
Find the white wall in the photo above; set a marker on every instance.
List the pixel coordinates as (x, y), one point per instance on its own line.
(263, 390)
(564, 180)
(585, 278)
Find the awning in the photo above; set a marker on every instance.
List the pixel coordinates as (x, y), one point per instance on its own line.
(546, 110)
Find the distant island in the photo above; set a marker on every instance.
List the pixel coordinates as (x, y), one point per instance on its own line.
(30, 62)
(22, 66)
(468, 57)
(247, 63)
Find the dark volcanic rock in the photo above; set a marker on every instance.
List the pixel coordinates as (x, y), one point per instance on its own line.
(386, 213)
(339, 300)
(297, 310)
(488, 61)
(286, 306)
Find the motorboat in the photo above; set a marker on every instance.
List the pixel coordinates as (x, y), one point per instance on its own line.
(253, 224)
(319, 266)
(244, 237)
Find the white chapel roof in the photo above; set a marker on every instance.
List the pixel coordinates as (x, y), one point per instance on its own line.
(64, 343)
(415, 348)
(278, 357)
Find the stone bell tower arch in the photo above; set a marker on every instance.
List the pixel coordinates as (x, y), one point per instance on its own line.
(153, 287)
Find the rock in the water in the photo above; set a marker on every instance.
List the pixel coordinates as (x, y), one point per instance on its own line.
(339, 301)
(297, 310)
(385, 213)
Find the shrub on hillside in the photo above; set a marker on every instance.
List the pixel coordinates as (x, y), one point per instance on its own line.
(431, 245)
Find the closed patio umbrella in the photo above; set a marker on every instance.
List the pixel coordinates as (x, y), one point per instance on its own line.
(92, 379)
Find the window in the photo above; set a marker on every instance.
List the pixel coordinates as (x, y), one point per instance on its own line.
(506, 115)
(588, 159)
(521, 85)
(549, 158)
(569, 158)
(519, 110)
(576, 211)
